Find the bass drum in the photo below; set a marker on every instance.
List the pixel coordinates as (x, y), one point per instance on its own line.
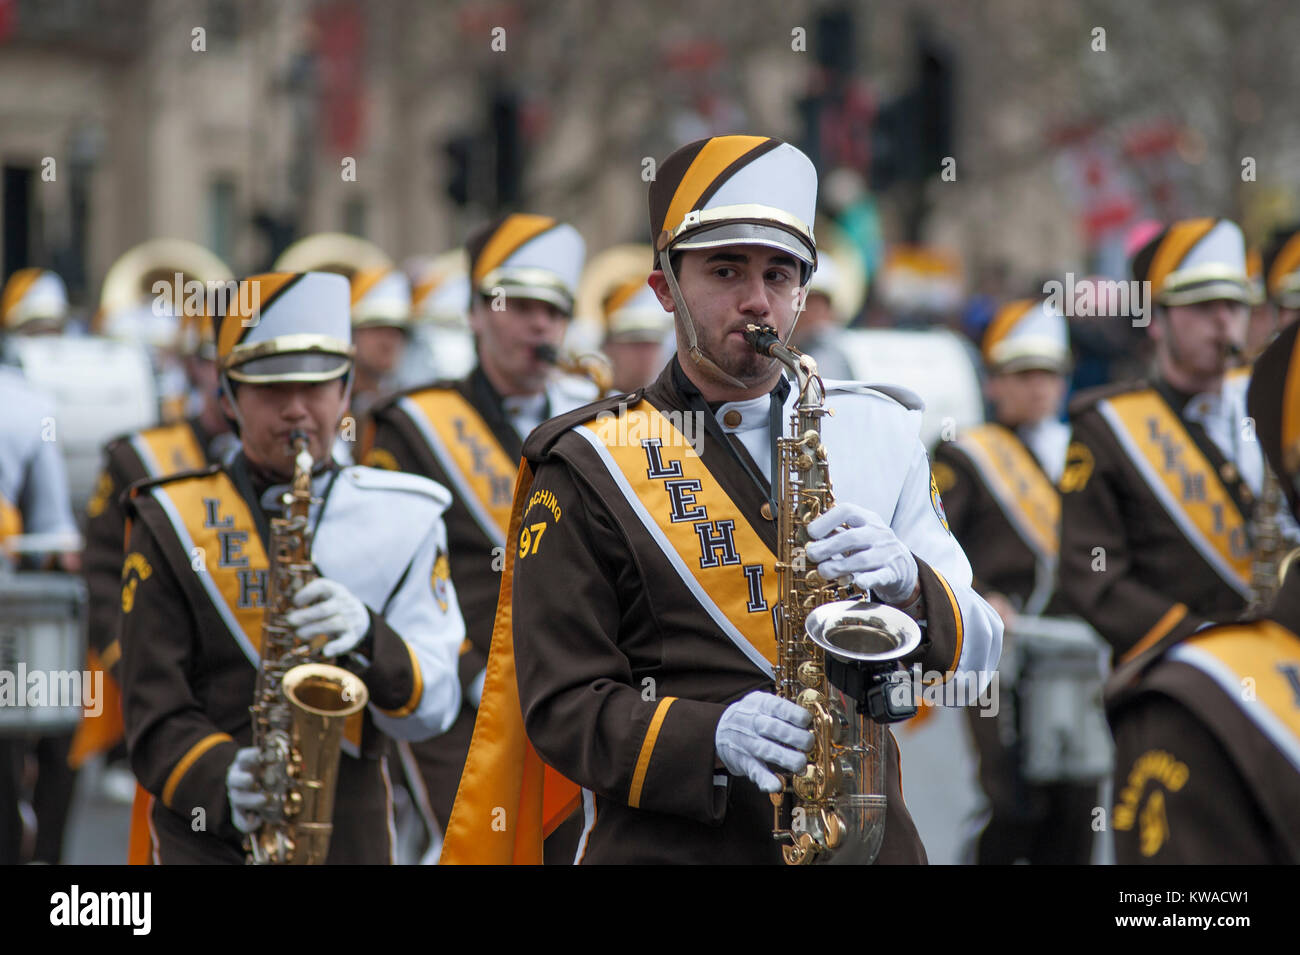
(43, 654)
(100, 388)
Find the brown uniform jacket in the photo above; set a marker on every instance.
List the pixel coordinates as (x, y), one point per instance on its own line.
(622, 673)
(187, 687)
(1207, 736)
(152, 453)
(1001, 558)
(1126, 564)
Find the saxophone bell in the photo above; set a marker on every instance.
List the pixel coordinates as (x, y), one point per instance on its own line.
(866, 644)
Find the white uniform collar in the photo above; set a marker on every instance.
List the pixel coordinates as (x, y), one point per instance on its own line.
(740, 416)
(1047, 440)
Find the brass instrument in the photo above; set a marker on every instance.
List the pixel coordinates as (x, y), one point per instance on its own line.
(838, 654)
(1273, 554)
(595, 368)
(301, 703)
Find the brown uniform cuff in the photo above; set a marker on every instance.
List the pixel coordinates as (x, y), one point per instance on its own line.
(674, 771)
(393, 678)
(945, 628)
(198, 782)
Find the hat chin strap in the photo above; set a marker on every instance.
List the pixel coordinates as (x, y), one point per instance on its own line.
(703, 361)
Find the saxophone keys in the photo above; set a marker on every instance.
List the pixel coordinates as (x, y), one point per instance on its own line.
(810, 674)
(833, 828)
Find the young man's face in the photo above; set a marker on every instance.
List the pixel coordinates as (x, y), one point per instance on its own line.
(508, 340)
(1196, 338)
(729, 288)
(379, 349)
(270, 413)
(1026, 397)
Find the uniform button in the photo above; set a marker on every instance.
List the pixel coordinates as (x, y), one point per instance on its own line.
(731, 419)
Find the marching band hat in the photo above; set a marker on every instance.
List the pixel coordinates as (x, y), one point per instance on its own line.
(1195, 260)
(730, 190)
(1026, 334)
(633, 313)
(1273, 401)
(527, 256)
(33, 295)
(1282, 270)
(286, 326)
(439, 293)
(381, 297)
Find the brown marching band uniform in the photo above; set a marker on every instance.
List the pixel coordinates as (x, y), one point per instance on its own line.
(148, 454)
(1198, 778)
(1207, 744)
(188, 684)
(622, 690)
(1154, 581)
(1043, 823)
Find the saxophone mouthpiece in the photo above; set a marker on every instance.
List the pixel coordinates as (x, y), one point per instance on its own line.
(762, 338)
(546, 353)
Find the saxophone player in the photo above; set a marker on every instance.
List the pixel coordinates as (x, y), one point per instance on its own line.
(468, 435)
(1207, 725)
(194, 586)
(636, 612)
(1162, 477)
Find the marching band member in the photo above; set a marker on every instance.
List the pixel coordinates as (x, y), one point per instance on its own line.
(34, 302)
(1161, 477)
(468, 435)
(636, 612)
(194, 585)
(202, 438)
(998, 482)
(1207, 725)
(637, 331)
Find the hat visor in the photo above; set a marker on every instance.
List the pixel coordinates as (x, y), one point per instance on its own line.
(1211, 290)
(307, 367)
(537, 293)
(382, 321)
(1053, 363)
(748, 233)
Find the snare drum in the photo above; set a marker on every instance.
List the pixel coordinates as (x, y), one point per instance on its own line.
(1063, 732)
(44, 681)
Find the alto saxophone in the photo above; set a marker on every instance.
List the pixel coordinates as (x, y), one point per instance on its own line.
(301, 703)
(838, 654)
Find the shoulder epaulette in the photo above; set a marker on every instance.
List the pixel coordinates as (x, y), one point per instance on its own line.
(379, 479)
(1090, 396)
(120, 439)
(543, 438)
(137, 488)
(896, 393)
(145, 484)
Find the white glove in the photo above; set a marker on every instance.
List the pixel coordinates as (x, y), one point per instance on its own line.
(245, 800)
(867, 549)
(329, 608)
(763, 728)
